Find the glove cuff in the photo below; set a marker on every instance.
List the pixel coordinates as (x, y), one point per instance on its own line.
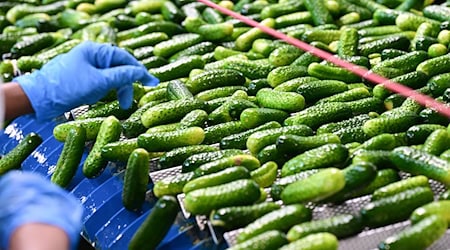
(35, 87)
(29, 198)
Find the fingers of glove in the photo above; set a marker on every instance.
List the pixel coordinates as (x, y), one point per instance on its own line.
(118, 76)
(125, 96)
(149, 80)
(106, 56)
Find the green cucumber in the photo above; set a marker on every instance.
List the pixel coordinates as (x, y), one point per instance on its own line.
(285, 73)
(319, 12)
(210, 94)
(194, 161)
(281, 219)
(196, 117)
(266, 174)
(150, 39)
(135, 179)
(247, 161)
(171, 127)
(240, 216)
(260, 139)
(322, 241)
(351, 122)
(437, 207)
(435, 66)
(395, 208)
(162, 215)
(240, 192)
(239, 140)
(169, 111)
(348, 42)
(417, 134)
(108, 109)
(244, 41)
(175, 44)
(300, 17)
(178, 69)
(177, 156)
(407, 62)
(282, 183)
(177, 90)
(215, 133)
(409, 21)
(437, 142)
(120, 150)
(164, 141)
(32, 45)
(91, 126)
(70, 157)
(347, 96)
(286, 101)
(418, 162)
(380, 158)
(313, 91)
(378, 142)
(285, 55)
(14, 158)
(341, 226)
(215, 78)
(224, 176)
(272, 239)
(418, 236)
(438, 84)
(293, 84)
(400, 186)
(198, 49)
(320, 114)
(294, 144)
(392, 41)
(383, 178)
(109, 131)
(252, 69)
(314, 188)
(394, 123)
(253, 117)
(172, 185)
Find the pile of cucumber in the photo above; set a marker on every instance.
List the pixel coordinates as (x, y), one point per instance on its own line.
(260, 131)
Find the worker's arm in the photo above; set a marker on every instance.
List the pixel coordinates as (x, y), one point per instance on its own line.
(82, 76)
(38, 236)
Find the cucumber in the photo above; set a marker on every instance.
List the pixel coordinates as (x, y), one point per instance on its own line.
(178, 69)
(198, 49)
(293, 84)
(177, 156)
(218, 178)
(314, 188)
(196, 117)
(91, 126)
(169, 111)
(435, 66)
(260, 139)
(351, 122)
(415, 80)
(313, 91)
(271, 153)
(252, 69)
(320, 114)
(305, 59)
(407, 62)
(172, 185)
(341, 226)
(348, 42)
(108, 109)
(418, 236)
(285, 73)
(14, 158)
(279, 9)
(378, 142)
(437, 142)
(253, 117)
(409, 21)
(437, 207)
(394, 123)
(143, 52)
(135, 180)
(281, 219)
(177, 90)
(32, 45)
(120, 150)
(171, 12)
(213, 79)
(247, 161)
(323, 241)
(352, 135)
(164, 141)
(171, 127)
(300, 17)
(319, 12)
(272, 239)
(379, 30)
(294, 144)
(175, 44)
(383, 178)
(438, 84)
(238, 141)
(380, 158)
(285, 55)
(436, 12)
(211, 94)
(194, 161)
(162, 215)
(391, 53)
(418, 162)
(21, 10)
(395, 208)
(266, 174)
(282, 183)
(347, 96)
(213, 134)
(231, 109)
(244, 41)
(290, 102)
(70, 157)
(109, 131)
(357, 177)
(392, 41)
(400, 186)
(235, 193)
(150, 39)
(240, 216)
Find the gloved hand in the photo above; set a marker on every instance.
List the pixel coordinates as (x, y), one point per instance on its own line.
(83, 76)
(30, 198)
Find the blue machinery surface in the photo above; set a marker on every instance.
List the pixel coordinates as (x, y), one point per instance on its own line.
(106, 223)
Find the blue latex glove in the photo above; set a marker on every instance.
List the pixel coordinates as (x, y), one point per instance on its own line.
(26, 197)
(83, 76)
